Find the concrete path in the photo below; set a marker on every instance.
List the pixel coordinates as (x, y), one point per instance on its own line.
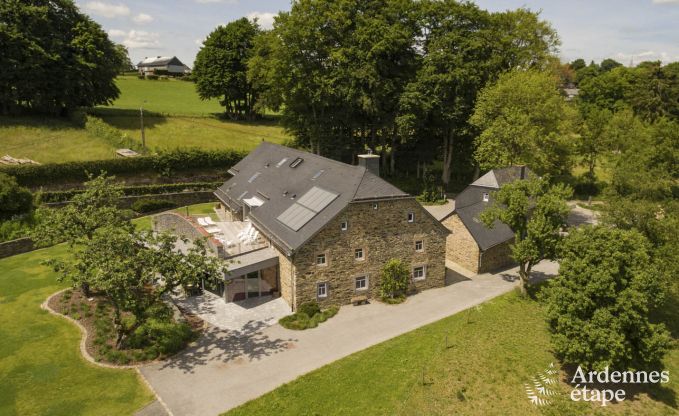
(581, 216)
(226, 369)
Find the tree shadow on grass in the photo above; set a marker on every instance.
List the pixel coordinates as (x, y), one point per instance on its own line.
(128, 119)
(249, 343)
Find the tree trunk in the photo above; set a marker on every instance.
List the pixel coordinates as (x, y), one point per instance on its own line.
(392, 158)
(447, 158)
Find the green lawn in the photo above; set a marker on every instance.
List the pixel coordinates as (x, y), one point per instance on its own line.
(492, 352)
(49, 140)
(170, 132)
(41, 368)
(167, 97)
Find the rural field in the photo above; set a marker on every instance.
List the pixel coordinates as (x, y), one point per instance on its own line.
(174, 117)
(492, 351)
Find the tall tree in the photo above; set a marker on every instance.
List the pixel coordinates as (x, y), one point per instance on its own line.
(123, 58)
(463, 48)
(523, 119)
(54, 58)
(221, 66)
(593, 140)
(536, 212)
(598, 308)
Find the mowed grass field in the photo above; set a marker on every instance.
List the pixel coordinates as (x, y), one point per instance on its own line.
(175, 117)
(41, 368)
(50, 140)
(493, 350)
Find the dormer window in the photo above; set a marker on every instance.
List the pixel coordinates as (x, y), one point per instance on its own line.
(486, 197)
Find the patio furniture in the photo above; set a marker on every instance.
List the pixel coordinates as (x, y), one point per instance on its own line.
(209, 221)
(202, 222)
(213, 230)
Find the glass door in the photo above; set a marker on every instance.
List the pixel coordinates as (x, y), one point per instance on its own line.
(252, 284)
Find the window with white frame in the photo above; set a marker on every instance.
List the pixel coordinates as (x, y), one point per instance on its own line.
(320, 259)
(419, 272)
(486, 197)
(322, 290)
(411, 217)
(362, 283)
(419, 245)
(374, 205)
(344, 225)
(358, 254)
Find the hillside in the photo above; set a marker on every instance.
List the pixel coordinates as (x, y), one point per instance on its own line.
(174, 117)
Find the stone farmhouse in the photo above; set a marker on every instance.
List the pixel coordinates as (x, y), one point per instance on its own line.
(308, 228)
(471, 244)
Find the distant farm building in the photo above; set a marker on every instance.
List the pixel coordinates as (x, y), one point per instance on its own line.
(162, 65)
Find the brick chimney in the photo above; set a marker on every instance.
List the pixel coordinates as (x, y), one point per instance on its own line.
(371, 162)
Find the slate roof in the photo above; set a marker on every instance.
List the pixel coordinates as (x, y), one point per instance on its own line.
(266, 173)
(159, 61)
(469, 204)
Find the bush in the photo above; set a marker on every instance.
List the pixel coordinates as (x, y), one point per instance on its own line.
(394, 281)
(149, 205)
(164, 163)
(302, 320)
(309, 308)
(167, 337)
(14, 199)
(151, 77)
(98, 128)
(16, 228)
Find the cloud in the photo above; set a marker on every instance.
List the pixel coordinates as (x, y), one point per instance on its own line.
(265, 19)
(665, 1)
(142, 18)
(99, 8)
(643, 56)
(136, 39)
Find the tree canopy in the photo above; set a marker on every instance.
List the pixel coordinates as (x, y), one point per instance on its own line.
(598, 308)
(221, 66)
(14, 199)
(53, 58)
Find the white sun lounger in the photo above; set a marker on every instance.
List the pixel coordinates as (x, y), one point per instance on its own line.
(213, 230)
(209, 221)
(202, 222)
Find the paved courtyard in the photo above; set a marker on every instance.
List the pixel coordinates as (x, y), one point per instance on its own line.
(235, 316)
(227, 368)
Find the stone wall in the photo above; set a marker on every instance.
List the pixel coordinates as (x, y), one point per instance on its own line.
(286, 272)
(382, 234)
(14, 247)
(497, 257)
(461, 248)
(185, 227)
(178, 198)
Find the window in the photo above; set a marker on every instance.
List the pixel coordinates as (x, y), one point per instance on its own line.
(296, 162)
(419, 246)
(344, 226)
(358, 254)
(362, 283)
(374, 205)
(279, 164)
(319, 173)
(322, 290)
(411, 217)
(320, 259)
(485, 197)
(419, 273)
(254, 176)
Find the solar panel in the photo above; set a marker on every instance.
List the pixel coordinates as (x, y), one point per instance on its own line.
(310, 204)
(296, 216)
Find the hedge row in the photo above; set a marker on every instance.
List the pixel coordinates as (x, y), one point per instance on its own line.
(63, 196)
(164, 163)
(98, 128)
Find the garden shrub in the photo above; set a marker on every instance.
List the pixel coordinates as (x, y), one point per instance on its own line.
(99, 128)
(167, 337)
(149, 205)
(309, 308)
(151, 77)
(394, 280)
(14, 199)
(302, 320)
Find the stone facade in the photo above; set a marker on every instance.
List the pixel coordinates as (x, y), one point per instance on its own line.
(382, 234)
(461, 248)
(497, 257)
(286, 273)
